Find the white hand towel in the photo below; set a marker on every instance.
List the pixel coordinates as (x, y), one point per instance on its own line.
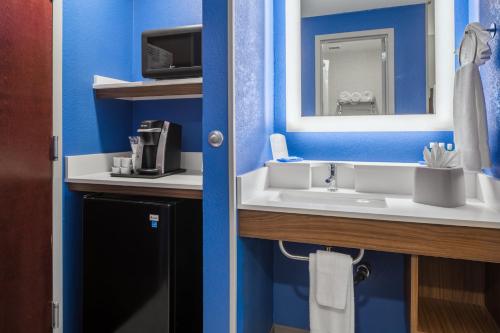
(338, 292)
(367, 96)
(356, 97)
(469, 117)
(333, 272)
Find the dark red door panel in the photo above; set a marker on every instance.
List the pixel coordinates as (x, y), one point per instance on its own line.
(25, 166)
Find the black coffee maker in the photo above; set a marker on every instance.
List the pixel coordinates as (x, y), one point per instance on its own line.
(159, 150)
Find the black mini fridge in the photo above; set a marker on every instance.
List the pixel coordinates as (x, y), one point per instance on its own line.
(142, 265)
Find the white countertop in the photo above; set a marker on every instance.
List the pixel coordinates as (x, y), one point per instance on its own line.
(399, 208)
(190, 180)
(255, 194)
(94, 169)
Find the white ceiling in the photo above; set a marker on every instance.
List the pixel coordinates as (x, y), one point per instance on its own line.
(327, 7)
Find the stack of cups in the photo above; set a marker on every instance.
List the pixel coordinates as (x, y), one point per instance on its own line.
(122, 165)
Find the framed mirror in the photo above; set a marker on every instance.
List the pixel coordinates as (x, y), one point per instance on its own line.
(377, 65)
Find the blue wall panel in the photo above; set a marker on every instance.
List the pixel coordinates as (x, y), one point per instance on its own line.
(408, 23)
(255, 285)
(185, 112)
(254, 95)
(489, 12)
(254, 117)
(90, 126)
(216, 169)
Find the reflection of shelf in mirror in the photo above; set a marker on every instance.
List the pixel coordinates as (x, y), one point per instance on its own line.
(108, 88)
(341, 104)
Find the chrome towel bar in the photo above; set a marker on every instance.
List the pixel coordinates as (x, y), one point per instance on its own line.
(287, 254)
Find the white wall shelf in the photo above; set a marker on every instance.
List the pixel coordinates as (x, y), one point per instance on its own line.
(109, 88)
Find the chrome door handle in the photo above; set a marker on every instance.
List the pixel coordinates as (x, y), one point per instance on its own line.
(215, 138)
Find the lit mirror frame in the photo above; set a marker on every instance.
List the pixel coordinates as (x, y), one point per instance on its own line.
(441, 120)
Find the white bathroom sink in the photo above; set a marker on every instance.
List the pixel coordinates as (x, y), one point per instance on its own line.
(330, 198)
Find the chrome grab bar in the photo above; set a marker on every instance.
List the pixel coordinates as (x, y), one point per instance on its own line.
(287, 254)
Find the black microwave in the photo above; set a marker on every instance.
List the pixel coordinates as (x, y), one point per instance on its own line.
(172, 53)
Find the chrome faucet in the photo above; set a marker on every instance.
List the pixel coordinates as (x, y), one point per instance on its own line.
(332, 180)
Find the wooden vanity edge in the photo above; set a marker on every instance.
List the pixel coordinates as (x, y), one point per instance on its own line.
(135, 190)
(446, 241)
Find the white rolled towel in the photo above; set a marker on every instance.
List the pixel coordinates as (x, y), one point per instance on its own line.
(356, 97)
(483, 50)
(345, 97)
(367, 96)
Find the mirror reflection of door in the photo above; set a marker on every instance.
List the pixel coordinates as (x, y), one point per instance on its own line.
(355, 74)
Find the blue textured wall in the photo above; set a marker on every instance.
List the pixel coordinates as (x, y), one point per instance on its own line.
(255, 312)
(408, 23)
(90, 126)
(253, 124)
(380, 301)
(254, 95)
(489, 12)
(158, 14)
(186, 112)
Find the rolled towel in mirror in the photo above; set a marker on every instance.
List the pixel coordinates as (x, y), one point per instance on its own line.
(345, 97)
(367, 96)
(356, 97)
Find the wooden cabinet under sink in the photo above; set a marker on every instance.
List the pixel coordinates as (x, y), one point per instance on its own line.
(453, 271)
(453, 296)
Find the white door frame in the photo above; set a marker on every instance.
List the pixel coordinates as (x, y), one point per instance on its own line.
(57, 170)
(233, 222)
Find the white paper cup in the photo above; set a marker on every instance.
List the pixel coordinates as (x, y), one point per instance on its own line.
(115, 170)
(125, 171)
(117, 162)
(126, 162)
(134, 157)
